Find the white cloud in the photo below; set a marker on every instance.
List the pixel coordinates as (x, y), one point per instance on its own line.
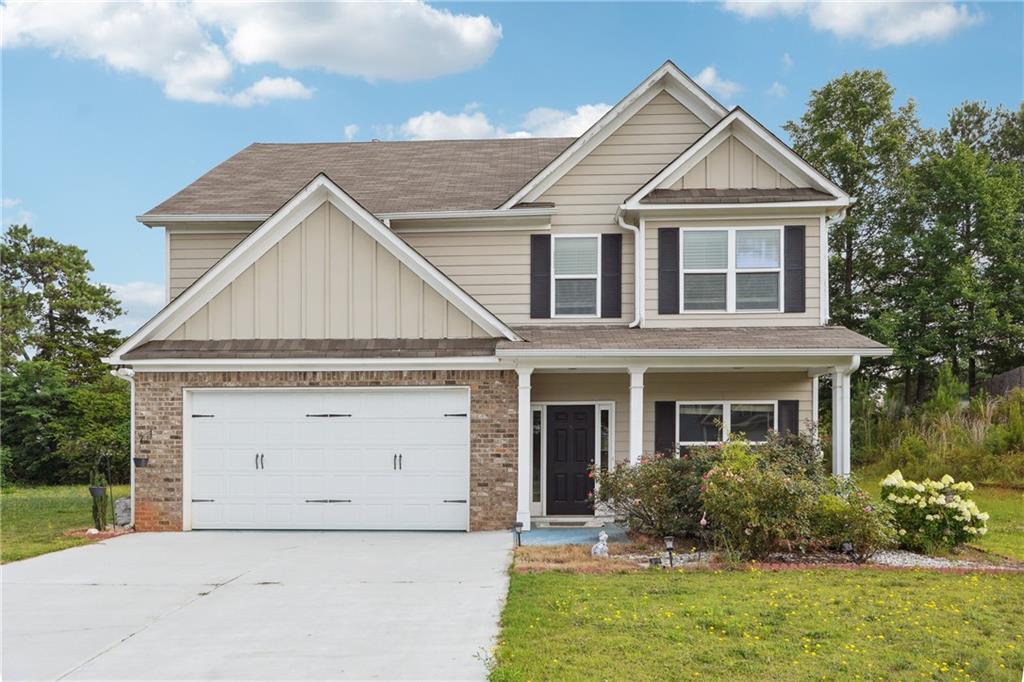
(776, 89)
(471, 123)
(193, 49)
(351, 130)
(140, 300)
(394, 41)
(878, 23)
(710, 80)
(787, 62)
(8, 202)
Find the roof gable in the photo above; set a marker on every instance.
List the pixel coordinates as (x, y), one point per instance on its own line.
(321, 189)
(667, 78)
(738, 153)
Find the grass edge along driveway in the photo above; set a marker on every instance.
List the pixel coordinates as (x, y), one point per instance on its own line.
(33, 518)
(752, 624)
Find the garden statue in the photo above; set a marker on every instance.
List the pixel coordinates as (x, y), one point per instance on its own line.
(601, 548)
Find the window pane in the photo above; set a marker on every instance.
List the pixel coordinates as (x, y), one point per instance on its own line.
(705, 250)
(753, 420)
(704, 292)
(536, 455)
(757, 291)
(576, 256)
(606, 431)
(757, 248)
(575, 296)
(700, 423)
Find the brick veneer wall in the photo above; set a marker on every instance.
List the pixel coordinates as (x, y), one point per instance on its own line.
(493, 433)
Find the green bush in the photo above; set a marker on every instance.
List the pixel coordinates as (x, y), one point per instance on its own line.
(660, 495)
(759, 511)
(933, 516)
(847, 515)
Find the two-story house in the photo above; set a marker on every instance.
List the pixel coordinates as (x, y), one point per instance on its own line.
(450, 334)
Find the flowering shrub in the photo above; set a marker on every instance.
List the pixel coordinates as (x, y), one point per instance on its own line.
(933, 515)
(658, 496)
(757, 511)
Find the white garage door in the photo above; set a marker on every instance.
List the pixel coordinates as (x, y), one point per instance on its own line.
(329, 459)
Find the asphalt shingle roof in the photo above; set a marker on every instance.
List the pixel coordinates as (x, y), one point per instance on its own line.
(385, 177)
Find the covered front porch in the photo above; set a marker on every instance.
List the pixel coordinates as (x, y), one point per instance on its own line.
(574, 418)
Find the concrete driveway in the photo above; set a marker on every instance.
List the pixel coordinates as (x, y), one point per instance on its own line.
(258, 605)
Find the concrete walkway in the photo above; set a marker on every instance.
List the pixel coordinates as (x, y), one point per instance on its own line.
(258, 605)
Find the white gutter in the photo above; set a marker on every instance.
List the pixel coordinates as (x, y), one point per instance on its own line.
(129, 375)
(160, 220)
(761, 206)
(637, 268)
(695, 352)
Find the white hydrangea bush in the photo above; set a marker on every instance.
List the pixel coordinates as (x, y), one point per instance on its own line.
(933, 515)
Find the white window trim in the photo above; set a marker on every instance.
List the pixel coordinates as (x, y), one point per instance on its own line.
(597, 276)
(730, 271)
(726, 417)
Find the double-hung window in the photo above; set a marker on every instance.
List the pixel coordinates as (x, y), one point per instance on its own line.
(731, 269)
(575, 270)
(708, 421)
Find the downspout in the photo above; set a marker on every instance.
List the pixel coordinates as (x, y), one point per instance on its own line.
(637, 265)
(129, 375)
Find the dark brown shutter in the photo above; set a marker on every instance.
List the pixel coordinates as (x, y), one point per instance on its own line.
(611, 275)
(794, 265)
(665, 427)
(540, 275)
(789, 411)
(668, 270)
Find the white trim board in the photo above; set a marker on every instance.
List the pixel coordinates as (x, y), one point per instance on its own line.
(297, 209)
(761, 141)
(668, 78)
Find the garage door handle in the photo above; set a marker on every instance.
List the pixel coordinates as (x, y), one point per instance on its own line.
(394, 462)
(399, 462)
(455, 414)
(455, 502)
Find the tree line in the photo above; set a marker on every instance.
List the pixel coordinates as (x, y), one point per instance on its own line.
(929, 260)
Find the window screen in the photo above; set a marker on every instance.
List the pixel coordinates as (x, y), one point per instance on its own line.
(753, 420)
(704, 292)
(757, 248)
(700, 423)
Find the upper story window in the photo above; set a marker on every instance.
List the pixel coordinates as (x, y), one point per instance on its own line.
(731, 269)
(575, 269)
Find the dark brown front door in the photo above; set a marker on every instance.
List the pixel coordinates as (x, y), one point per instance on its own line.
(571, 438)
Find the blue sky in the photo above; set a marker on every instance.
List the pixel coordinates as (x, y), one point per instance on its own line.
(109, 109)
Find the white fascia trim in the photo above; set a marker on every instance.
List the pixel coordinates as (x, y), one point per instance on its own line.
(297, 208)
(472, 229)
(161, 219)
(763, 207)
(677, 84)
(309, 364)
(484, 213)
(696, 353)
(755, 136)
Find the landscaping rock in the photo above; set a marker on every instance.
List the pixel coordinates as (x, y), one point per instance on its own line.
(122, 511)
(92, 531)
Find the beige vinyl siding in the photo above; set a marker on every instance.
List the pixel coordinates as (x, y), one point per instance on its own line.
(811, 315)
(724, 386)
(193, 251)
(732, 165)
(328, 278)
(589, 388)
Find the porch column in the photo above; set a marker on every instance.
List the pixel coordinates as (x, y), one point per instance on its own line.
(523, 485)
(841, 417)
(636, 413)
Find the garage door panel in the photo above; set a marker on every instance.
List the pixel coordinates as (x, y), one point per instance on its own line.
(345, 465)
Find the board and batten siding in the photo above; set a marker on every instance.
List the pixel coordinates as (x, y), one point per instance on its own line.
(327, 279)
(193, 251)
(747, 318)
(732, 165)
(735, 386)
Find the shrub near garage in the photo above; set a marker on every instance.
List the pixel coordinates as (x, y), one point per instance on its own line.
(933, 515)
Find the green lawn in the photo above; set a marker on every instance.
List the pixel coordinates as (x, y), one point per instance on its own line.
(1006, 506)
(33, 519)
(743, 624)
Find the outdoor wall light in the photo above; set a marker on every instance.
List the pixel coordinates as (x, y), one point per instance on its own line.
(670, 542)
